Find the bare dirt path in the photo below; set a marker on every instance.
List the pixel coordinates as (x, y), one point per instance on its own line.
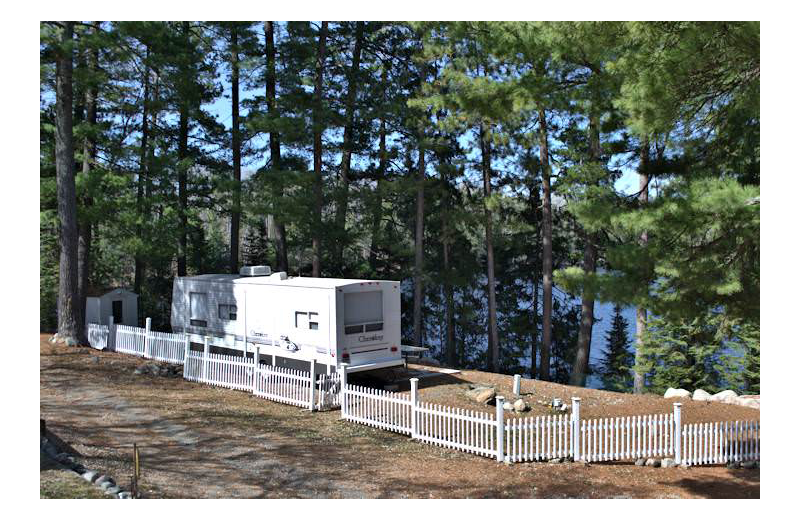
(201, 441)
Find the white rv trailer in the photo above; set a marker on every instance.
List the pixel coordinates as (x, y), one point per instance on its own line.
(329, 320)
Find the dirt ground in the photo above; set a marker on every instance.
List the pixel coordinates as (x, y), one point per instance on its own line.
(199, 441)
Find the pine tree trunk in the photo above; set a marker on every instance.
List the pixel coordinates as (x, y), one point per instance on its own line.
(377, 214)
(69, 326)
(535, 329)
(281, 255)
(418, 248)
(641, 312)
(85, 224)
(347, 146)
(535, 201)
(316, 244)
(486, 164)
(547, 251)
(183, 153)
(236, 211)
(138, 270)
(580, 368)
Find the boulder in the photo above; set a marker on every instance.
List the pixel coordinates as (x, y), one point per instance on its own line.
(482, 394)
(113, 490)
(653, 463)
(105, 485)
(749, 402)
(508, 406)
(124, 494)
(520, 405)
(726, 396)
(640, 462)
(676, 393)
(90, 476)
(668, 463)
(733, 465)
(701, 395)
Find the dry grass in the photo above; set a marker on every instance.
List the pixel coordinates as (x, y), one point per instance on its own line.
(202, 441)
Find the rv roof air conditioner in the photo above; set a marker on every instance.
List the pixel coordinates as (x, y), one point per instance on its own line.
(280, 275)
(255, 270)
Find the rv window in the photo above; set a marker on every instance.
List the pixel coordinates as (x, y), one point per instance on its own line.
(301, 320)
(372, 327)
(198, 305)
(227, 312)
(198, 323)
(353, 329)
(313, 322)
(363, 307)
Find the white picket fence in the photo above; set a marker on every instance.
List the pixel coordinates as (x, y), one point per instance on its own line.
(98, 335)
(510, 440)
(377, 408)
(129, 340)
(163, 346)
(721, 442)
(553, 436)
(266, 381)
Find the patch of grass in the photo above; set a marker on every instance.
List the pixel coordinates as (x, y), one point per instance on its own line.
(59, 483)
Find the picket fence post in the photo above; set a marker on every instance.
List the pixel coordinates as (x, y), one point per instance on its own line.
(111, 334)
(414, 386)
(205, 358)
(256, 367)
(500, 429)
(147, 323)
(576, 429)
(313, 375)
(676, 417)
(343, 383)
(187, 347)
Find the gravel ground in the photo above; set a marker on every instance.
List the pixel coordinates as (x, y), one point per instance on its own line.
(202, 441)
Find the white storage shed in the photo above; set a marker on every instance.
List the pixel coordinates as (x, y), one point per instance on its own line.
(120, 303)
(330, 320)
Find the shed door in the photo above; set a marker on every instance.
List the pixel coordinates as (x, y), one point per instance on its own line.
(116, 310)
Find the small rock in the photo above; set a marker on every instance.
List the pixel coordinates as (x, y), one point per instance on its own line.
(556, 461)
(653, 463)
(668, 463)
(65, 459)
(750, 464)
(113, 490)
(94, 359)
(733, 465)
(701, 395)
(508, 406)
(102, 479)
(676, 393)
(124, 494)
(139, 370)
(105, 485)
(520, 405)
(684, 466)
(482, 394)
(90, 476)
(640, 462)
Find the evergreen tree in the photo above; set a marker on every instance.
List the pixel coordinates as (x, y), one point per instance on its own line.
(615, 370)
